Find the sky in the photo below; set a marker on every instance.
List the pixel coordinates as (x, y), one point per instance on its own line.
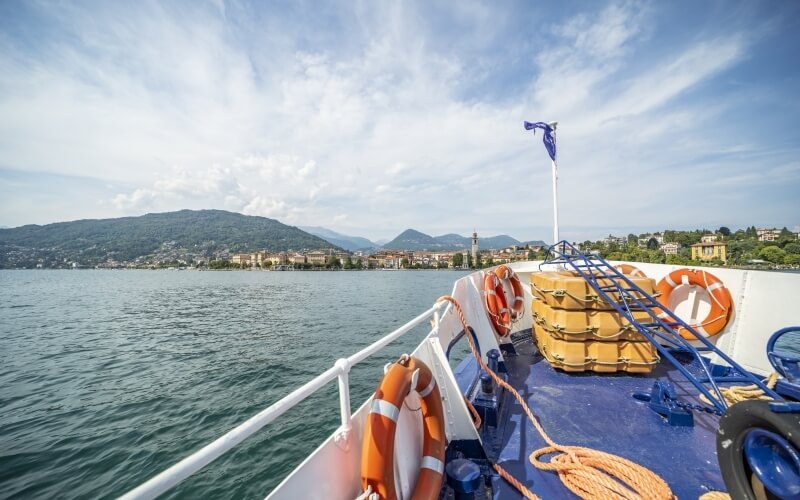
(368, 118)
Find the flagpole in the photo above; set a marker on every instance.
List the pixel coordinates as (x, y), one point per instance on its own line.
(555, 190)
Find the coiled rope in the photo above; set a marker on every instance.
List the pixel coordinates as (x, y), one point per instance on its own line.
(586, 472)
(737, 393)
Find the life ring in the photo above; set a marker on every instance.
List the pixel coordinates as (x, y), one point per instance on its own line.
(377, 450)
(721, 301)
(496, 305)
(630, 270)
(507, 275)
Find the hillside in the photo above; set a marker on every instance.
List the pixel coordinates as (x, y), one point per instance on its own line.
(347, 242)
(411, 239)
(197, 235)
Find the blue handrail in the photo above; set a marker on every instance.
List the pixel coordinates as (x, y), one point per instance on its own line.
(593, 267)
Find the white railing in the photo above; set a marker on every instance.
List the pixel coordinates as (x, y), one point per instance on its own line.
(341, 369)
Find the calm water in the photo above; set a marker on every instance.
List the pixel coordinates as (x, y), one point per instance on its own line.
(108, 377)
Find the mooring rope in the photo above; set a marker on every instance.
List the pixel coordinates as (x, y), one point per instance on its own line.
(586, 472)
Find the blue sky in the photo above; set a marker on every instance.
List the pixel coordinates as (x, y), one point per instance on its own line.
(371, 117)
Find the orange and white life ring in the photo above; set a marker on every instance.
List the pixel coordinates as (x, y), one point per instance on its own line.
(508, 276)
(721, 301)
(377, 448)
(630, 270)
(496, 306)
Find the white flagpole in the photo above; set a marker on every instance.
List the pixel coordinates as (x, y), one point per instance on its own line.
(555, 190)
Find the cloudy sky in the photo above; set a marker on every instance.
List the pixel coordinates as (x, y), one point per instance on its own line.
(372, 117)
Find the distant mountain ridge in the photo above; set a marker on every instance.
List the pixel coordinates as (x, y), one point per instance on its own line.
(411, 239)
(198, 234)
(351, 243)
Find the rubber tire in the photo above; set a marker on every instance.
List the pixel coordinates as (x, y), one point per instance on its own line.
(733, 428)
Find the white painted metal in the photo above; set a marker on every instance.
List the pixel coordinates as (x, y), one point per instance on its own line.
(193, 463)
(342, 436)
(330, 472)
(556, 239)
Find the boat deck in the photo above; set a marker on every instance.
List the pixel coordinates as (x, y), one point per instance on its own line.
(598, 411)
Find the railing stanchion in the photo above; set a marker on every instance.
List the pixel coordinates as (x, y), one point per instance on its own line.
(344, 392)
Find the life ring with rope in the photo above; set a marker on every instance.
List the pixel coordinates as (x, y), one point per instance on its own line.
(721, 301)
(501, 316)
(507, 275)
(630, 270)
(377, 449)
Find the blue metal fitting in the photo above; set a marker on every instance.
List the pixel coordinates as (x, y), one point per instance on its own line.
(784, 407)
(464, 476)
(492, 358)
(663, 400)
(487, 387)
(774, 461)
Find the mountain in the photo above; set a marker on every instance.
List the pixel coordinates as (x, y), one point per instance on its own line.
(411, 239)
(535, 243)
(351, 243)
(190, 234)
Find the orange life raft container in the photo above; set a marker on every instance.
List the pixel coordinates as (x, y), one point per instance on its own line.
(377, 451)
(721, 302)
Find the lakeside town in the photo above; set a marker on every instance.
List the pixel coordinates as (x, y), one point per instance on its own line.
(754, 248)
(760, 248)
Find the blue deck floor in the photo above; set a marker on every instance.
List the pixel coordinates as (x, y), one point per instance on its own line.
(598, 411)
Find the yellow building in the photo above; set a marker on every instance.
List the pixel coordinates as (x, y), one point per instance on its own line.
(710, 251)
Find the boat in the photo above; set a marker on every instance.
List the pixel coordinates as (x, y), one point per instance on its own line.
(584, 378)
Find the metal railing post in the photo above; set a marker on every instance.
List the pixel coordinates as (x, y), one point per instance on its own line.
(342, 436)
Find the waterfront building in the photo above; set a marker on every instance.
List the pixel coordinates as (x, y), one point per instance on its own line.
(708, 238)
(710, 251)
(615, 240)
(242, 259)
(671, 248)
(765, 234)
(317, 258)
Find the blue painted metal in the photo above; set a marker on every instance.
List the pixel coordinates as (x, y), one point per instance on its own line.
(784, 407)
(464, 476)
(593, 268)
(493, 357)
(597, 410)
(458, 337)
(785, 364)
(663, 400)
(774, 461)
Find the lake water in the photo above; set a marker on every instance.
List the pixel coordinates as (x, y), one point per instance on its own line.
(108, 377)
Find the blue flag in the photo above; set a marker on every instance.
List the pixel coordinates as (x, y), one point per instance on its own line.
(549, 140)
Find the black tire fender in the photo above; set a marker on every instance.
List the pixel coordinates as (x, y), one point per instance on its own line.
(733, 428)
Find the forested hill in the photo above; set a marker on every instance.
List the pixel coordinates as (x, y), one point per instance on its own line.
(199, 234)
(411, 239)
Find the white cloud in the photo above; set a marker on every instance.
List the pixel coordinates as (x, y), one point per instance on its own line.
(392, 122)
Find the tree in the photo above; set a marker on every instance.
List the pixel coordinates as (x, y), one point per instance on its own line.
(792, 260)
(489, 262)
(458, 260)
(793, 248)
(404, 262)
(724, 231)
(478, 263)
(531, 255)
(359, 263)
(773, 254)
(652, 244)
(632, 239)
